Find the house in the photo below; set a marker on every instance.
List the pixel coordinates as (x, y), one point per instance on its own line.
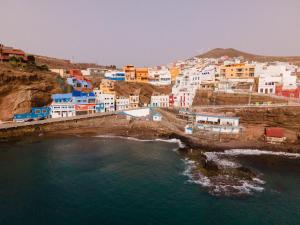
(73, 104)
(79, 83)
(62, 106)
(159, 76)
(134, 100)
(115, 75)
(8, 52)
(122, 103)
(289, 93)
(36, 113)
(237, 71)
(107, 86)
(160, 100)
(216, 123)
(274, 135)
(94, 72)
(188, 129)
(141, 75)
(156, 117)
(129, 73)
(62, 72)
(107, 101)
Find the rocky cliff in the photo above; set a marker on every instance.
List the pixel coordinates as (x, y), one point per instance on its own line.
(21, 89)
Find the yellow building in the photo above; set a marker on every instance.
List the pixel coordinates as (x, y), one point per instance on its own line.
(129, 73)
(107, 86)
(237, 71)
(141, 75)
(174, 71)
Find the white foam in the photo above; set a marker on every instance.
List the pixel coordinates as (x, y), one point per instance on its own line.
(225, 163)
(173, 140)
(237, 152)
(218, 185)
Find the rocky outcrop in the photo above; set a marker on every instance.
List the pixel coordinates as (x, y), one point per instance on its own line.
(22, 89)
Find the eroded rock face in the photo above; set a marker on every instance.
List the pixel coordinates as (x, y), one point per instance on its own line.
(20, 90)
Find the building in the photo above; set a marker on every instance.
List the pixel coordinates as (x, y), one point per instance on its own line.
(79, 83)
(274, 135)
(134, 100)
(159, 76)
(36, 113)
(289, 93)
(141, 75)
(73, 104)
(174, 71)
(115, 75)
(129, 73)
(94, 72)
(183, 98)
(160, 100)
(156, 117)
(107, 101)
(122, 103)
(215, 123)
(107, 86)
(188, 129)
(8, 52)
(62, 72)
(62, 106)
(237, 71)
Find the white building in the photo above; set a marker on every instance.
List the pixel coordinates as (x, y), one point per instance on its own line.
(61, 72)
(59, 110)
(122, 103)
(159, 76)
(275, 73)
(221, 124)
(108, 101)
(157, 117)
(160, 101)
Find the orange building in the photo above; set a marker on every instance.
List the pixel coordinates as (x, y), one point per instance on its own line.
(129, 73)
(174, 71)
(141, 75)
(237, 71)
(107, 86)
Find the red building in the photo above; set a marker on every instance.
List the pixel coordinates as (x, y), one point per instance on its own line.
(7, 52)
(274, 135)
(171, 100)
(290, 93)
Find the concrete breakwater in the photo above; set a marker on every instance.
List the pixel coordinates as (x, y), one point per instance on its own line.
(13, 130)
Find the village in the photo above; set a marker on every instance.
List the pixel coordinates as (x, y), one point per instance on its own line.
(221, 75)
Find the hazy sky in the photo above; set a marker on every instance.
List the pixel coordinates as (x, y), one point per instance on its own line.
(149, 32)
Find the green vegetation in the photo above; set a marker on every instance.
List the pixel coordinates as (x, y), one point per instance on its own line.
(28, 65)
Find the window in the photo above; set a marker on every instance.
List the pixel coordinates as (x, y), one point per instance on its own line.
(37, 111)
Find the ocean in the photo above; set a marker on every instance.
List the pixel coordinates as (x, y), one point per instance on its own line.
(101, 180)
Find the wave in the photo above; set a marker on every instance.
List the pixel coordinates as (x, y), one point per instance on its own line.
(237, 152)
(173, 140)
(222, 185)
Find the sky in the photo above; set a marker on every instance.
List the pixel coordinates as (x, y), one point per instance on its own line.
(149, 32)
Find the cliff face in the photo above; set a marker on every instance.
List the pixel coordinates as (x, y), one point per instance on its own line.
(20, 89)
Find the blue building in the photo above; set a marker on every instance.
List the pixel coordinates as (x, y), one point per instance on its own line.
(79, 97)
(37, 113)
(100, 107)
(115, 75)
(78, 83)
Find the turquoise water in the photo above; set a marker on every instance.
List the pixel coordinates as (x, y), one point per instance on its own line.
(115, 181)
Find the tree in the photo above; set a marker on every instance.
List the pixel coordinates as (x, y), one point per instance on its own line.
(31, 59)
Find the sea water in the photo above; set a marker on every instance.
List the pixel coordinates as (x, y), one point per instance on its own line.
(101, 180)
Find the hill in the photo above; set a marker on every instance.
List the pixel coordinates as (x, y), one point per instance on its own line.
(230, 52)
(66, 64)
